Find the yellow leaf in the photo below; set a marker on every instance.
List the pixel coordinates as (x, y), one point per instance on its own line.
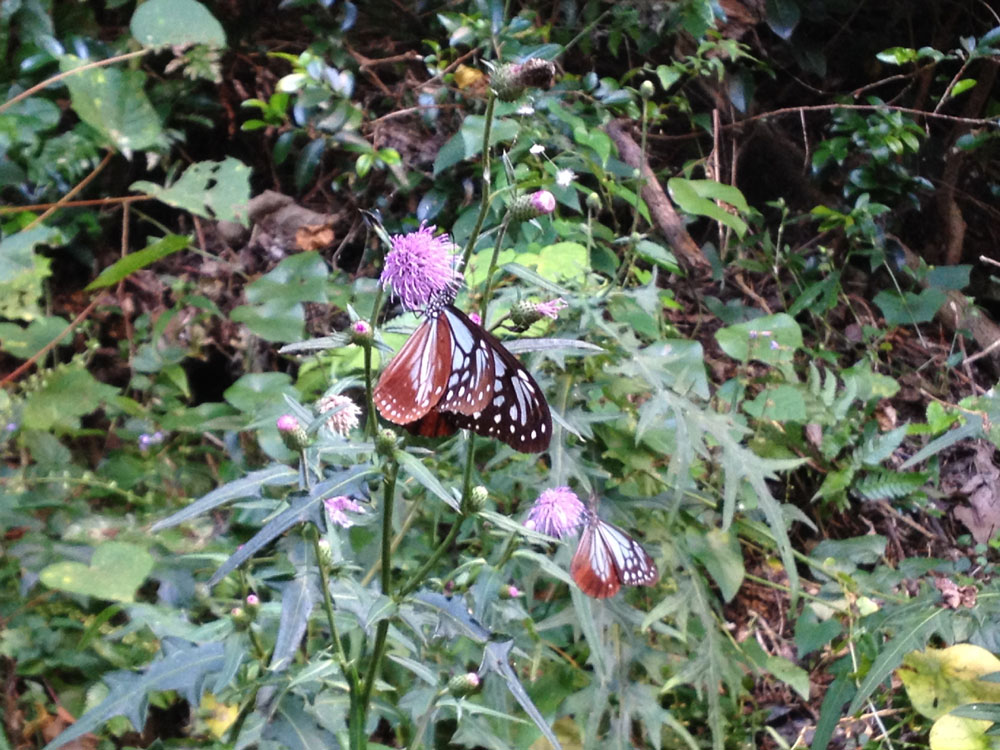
(466, 76)
(955, 733)
(940, 679)
(218, 717)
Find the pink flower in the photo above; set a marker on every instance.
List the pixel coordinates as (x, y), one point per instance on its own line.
(287, 423)
(335, 507)
(474, 317)
(252, 600)
(551, 308)
(361, 328)
(557, 512)
(343, 411)
(421, 268)
(543, 201)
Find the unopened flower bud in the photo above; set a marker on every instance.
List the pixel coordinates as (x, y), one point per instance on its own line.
(241, 620)
(253, 602)
(594, 202)
(293, 434)
(509, 592)
(536, 73)
(646, 89)
(385, 442)
(462, 685)
(509, 81)
(325, 553)
(361, 333)
(477, 498)
(537, 204)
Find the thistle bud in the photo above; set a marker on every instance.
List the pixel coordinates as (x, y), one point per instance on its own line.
(241, 620)
(646, 89)
(293, 434)
(509, 81)
(509, 592)
(462, 685)
(361, 333)
(523, 314)
(385, 442)
(325, 553)
(477, 499)
(537, 204)
(252, 604)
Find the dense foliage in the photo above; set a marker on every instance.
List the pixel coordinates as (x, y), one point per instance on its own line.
(730, 243)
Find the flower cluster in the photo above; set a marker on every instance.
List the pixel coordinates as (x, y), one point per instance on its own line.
(343, 413)
(421, 268)
(557, 512)
(335, 507)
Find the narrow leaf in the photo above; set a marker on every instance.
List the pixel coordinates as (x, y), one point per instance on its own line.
(134, 261)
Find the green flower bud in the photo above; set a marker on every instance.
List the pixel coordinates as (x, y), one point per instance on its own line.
(385, 442)
(361, 333)
(594, 202)
(462, 685)
(523, 314)
(325, 553)
(537, 204)
(477, 499)
(506, 83)
(293, 434)
(646, 89)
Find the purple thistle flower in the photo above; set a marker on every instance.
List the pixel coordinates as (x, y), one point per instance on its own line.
(335, 507)
(11, 427)
(420, 267)
(361, 328)
(556, 512)
(551, 308)
(253, 600)
(343, 411)
(543, 201)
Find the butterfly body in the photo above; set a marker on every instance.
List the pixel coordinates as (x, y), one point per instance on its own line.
(608, 557)
(451, 374)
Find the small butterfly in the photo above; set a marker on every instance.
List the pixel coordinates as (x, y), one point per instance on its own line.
(454, 374)
(608, 557)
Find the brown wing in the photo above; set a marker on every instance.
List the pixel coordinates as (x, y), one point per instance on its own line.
(414, 381)
(592, 567)
(470, 380)
(434, 424)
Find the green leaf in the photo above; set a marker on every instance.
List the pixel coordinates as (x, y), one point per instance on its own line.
(949, 278)
(962, 86)
(423, 475)
(783, 16)
(468, 141)
(698, 197)
(183, 668)
(784, 403)
(26, 342)
(68, 393)
(654, 253)
(772, 339)
(897, 55)
(910, 308)
(295, 729)
(298, 597)
(22, 271)
(275, 312)
(563, 261)
(140, 259)
(160, 23)
(112, 101)
(719, 551)
(217, 190)
(116, 571)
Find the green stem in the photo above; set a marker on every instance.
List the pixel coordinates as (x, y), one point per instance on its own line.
(389, 500)
(493, 267)
(640, 180)
(487, 181)
(350, 671)
(372, 422)
(446, 544)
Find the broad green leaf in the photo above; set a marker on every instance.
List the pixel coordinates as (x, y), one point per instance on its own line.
(563, 261)
(113, 102)
(26, 342)
(698, 197)
(783, 16)
(140, 259)
(783, 403)
(23, 271)
(276, 312)
(468, 141)
(217, 190)
(654, 253)
(160, 23)
(910, 308)
(949, 277)
(953, 732)
(66, 394)
(772, 339)
(116, 571)
(719, 551)
(940, 679)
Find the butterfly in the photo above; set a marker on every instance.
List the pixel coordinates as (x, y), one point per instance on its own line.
(453, 374)
(607, 557)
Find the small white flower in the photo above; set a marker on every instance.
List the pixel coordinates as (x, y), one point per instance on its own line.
(564, 177)
(538, 149)
(525, 109)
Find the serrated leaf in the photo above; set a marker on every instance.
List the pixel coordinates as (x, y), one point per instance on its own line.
(248, 486)
(454, 610)
(134, 261)
(184, 668)
(298, 597)
(160, 23)
(294, 729)
(496, 658)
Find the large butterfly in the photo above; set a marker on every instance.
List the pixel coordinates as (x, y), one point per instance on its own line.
(452, 373)
(608, 557)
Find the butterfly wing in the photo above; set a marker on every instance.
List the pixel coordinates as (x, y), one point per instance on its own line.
(434, 424)
(415, 379)
(517, 414)
(608, 557)
(591, 567)
(470, 381)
